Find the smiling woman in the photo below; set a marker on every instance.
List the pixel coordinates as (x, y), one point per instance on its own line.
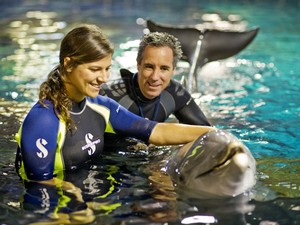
(67, 82)
(65, 129)
(239, 94)
(85, 80)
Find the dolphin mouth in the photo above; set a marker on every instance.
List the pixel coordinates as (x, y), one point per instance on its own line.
(232, 150)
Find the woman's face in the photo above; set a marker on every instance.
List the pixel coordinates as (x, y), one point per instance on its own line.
(85, 79)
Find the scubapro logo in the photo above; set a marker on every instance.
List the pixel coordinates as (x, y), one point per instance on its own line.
(91, 145)
(40, 144)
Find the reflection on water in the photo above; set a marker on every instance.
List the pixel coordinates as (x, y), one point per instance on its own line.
(280, 175)
(254, 95)
(139, 191)
(244, 97)
(36, 39)
(11, 114)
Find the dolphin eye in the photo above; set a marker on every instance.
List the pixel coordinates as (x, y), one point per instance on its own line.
(181, 178)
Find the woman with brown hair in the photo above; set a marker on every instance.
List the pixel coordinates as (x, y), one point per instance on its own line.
(65, 128)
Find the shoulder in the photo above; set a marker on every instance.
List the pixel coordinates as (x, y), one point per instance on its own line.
(174, 84)
(102, 101)
(103, 104)
(177, 89)
(44, 114)
(41, 119)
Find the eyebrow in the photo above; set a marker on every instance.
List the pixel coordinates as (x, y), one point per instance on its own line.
(152, 64)
(98, 67)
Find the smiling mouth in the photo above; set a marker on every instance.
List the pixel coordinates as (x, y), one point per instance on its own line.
(97, 86)
(153, 85)
(232, 151)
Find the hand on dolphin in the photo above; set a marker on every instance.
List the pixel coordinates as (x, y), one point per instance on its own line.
(216, 164)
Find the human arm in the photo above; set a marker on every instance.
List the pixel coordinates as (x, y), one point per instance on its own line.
(175, 134)
(186, 110)
(128, 124)
(192, 114)
(123, 122)
(37, 142)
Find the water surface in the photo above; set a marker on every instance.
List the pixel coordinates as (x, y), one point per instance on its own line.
(253, 94)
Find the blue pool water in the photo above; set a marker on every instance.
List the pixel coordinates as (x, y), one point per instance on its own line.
(254, 94)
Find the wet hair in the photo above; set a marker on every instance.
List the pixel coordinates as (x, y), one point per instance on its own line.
(160, 39)
(83, 44)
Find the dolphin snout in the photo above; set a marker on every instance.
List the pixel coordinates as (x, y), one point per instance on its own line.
(239, 156)
(217, 159)
(235, 147)
(242, 161)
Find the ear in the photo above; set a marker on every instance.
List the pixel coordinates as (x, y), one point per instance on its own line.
(67, 62)
(138, 66)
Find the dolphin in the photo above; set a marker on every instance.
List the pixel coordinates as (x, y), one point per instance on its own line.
(215, 165)
(201, 46)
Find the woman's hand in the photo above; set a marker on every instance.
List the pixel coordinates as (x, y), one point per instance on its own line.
(176, 134)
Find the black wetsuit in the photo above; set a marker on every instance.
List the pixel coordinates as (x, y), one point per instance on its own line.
(46, 148)
(175, 99)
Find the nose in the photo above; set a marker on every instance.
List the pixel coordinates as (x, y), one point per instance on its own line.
(156, 74)
(104, 76)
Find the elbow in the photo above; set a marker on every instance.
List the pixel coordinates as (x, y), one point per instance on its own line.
(157, 137)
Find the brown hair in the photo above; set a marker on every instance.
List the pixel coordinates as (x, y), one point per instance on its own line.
(83, 44)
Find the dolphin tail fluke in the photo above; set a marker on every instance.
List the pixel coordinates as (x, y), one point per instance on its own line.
(218, 44)
(202, 46)
(215, 44)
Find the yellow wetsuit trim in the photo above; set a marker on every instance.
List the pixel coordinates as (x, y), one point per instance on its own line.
(59, 164)
(105, 112)
(109, 207)
(21, 170)
(63, 200)
(111, 170)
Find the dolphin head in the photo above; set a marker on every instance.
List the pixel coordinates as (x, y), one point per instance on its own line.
(216, 164)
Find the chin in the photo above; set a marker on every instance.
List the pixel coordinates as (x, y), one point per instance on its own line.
(151, 95)
(93, 95)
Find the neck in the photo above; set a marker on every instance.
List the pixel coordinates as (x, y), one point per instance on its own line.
(78, 106)
(72, 93)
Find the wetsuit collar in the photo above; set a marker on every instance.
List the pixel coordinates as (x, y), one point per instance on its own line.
(77, 107)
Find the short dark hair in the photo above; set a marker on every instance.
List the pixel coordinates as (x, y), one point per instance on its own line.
(160, 39)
